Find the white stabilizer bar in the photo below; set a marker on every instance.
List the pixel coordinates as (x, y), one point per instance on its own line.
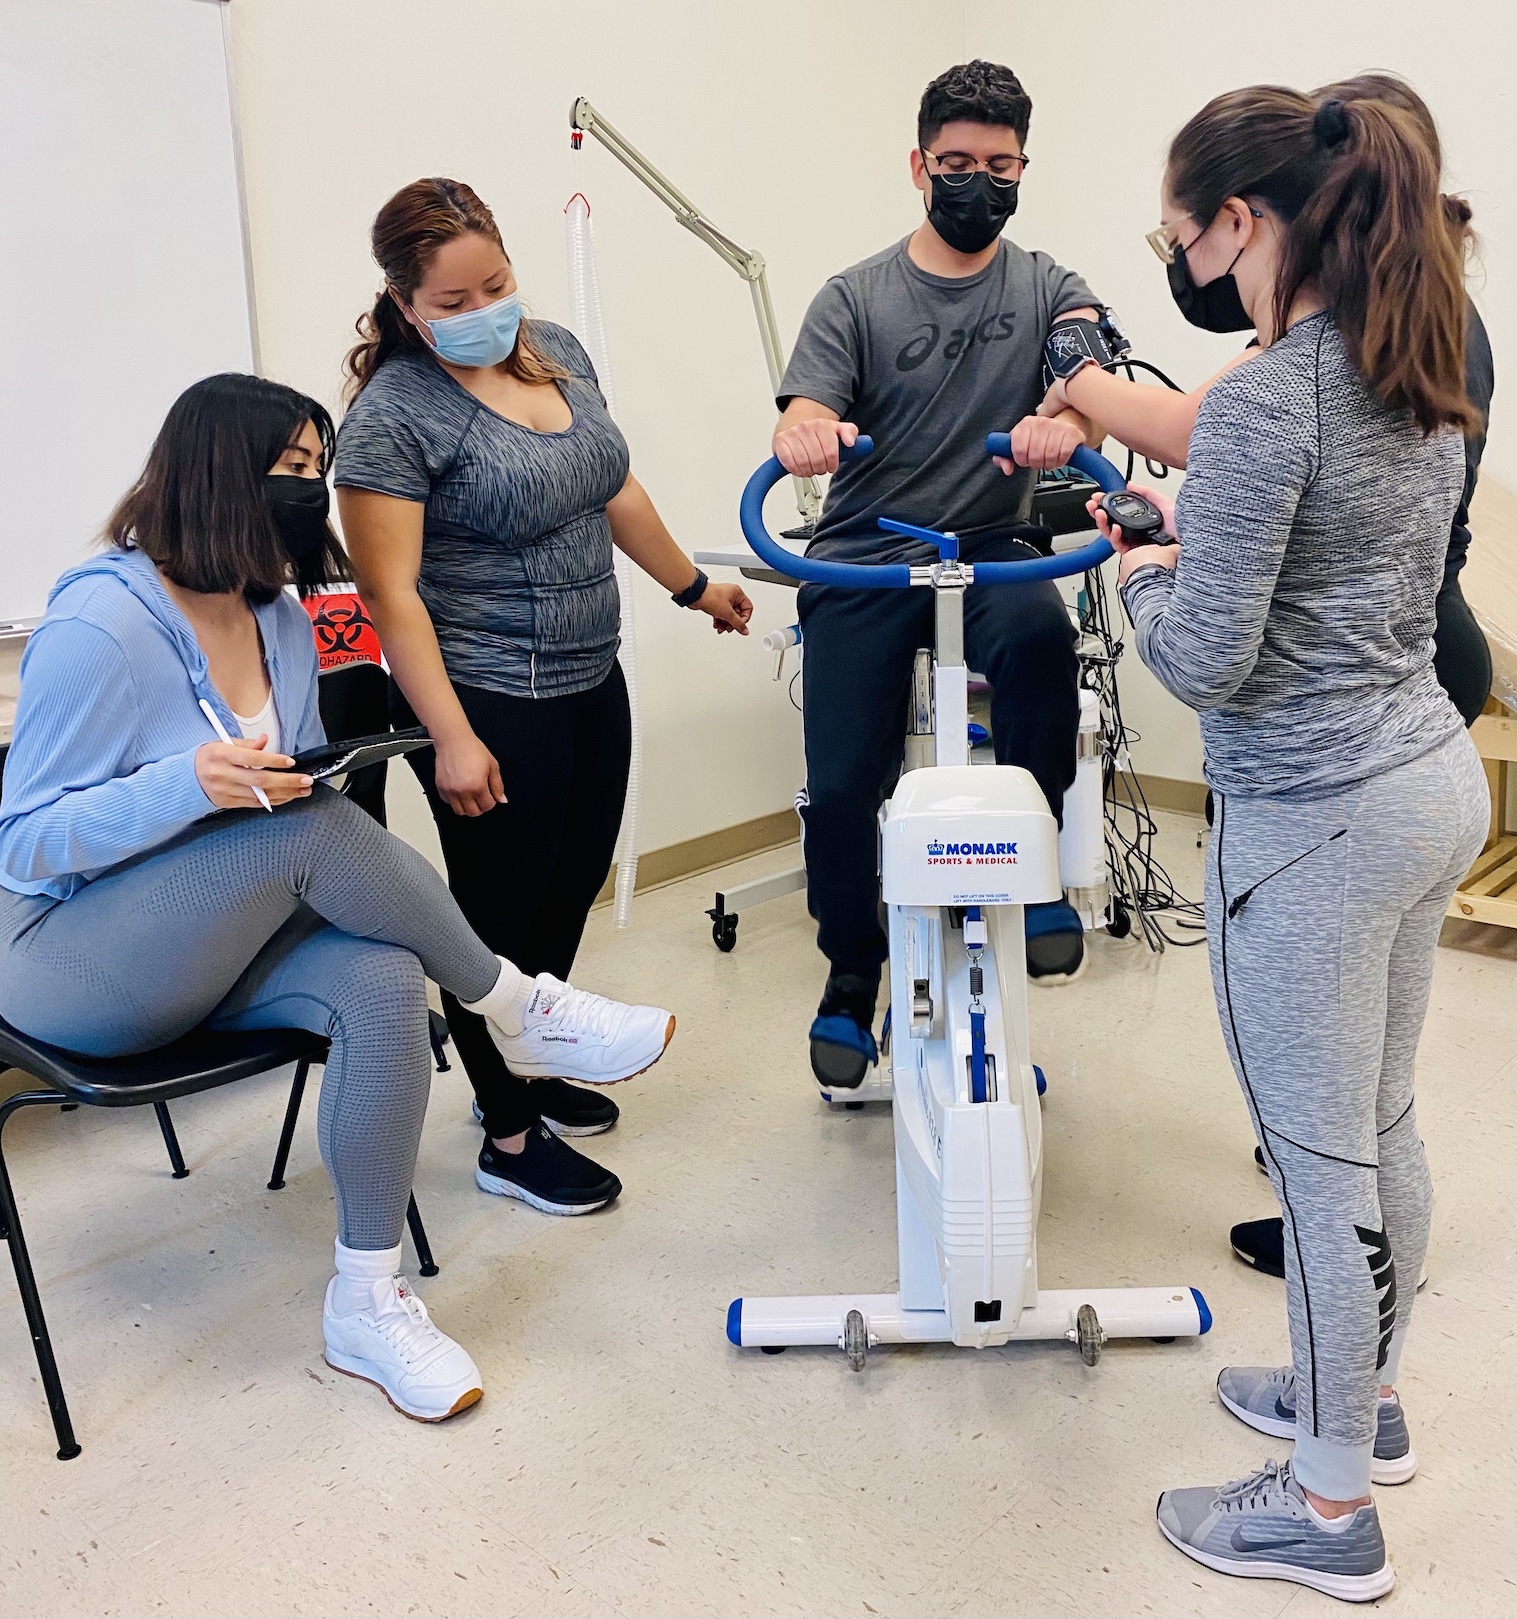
(1124, 1312)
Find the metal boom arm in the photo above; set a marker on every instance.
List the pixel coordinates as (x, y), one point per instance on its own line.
(585, 120)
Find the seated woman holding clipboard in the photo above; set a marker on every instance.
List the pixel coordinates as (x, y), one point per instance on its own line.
(165, 863)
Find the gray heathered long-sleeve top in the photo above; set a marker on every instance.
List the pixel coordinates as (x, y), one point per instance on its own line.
(1314, 523)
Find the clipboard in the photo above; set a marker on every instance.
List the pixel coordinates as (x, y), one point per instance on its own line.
(339, 758)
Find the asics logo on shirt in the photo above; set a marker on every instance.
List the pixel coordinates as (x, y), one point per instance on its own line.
(923, 342)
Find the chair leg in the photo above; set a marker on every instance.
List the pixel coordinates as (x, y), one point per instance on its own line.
(170, 1140)
(26, 1284)
(437, 1032)
(287, 1134)
(426, 1265)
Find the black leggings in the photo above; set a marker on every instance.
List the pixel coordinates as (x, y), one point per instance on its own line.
(1461, 657)
(526, 873)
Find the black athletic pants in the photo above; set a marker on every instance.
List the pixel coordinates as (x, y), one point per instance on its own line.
(1461, 657)
(526, 873)
(859, 648)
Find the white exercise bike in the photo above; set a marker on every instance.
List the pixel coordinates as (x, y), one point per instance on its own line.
(964, 848)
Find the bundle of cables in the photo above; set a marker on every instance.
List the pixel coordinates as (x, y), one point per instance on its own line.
(1140, 886)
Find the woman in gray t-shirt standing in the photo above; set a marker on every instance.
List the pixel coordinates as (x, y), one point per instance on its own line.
(482, 485)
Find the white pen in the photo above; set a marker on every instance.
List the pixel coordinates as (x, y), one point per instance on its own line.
(210, 714)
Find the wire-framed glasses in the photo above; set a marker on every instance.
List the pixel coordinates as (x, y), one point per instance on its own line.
(959, 168)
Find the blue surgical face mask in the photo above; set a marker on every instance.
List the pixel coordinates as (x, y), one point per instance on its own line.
(478, 337)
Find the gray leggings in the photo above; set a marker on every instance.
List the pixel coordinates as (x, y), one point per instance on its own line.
(1323, 918)
(313, 917)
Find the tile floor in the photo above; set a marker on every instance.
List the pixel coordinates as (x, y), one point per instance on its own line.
(626, 1459)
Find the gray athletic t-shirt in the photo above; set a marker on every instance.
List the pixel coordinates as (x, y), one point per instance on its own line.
(927, 365)
(516, 563)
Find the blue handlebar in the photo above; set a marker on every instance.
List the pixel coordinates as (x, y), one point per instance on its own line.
(897, 575)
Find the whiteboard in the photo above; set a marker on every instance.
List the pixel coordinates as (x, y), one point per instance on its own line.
(123, 275)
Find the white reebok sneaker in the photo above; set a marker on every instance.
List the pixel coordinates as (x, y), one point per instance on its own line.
(394, 1345)
(571, 1034)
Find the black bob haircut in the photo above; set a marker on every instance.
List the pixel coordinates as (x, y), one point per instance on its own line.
(979, 92)
(199, 508)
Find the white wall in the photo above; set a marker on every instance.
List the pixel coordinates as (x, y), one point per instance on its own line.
(1103, 114)
(789, 125)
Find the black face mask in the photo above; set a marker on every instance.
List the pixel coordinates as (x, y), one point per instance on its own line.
(969, 217)
(300, 507)
(1216, 307)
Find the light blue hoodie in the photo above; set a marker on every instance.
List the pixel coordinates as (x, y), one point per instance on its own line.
(103, 762)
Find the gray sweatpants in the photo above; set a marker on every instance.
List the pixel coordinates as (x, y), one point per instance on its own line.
(314, 917)
(1323, 918)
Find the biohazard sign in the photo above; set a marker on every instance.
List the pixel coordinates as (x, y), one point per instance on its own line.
(343, 629)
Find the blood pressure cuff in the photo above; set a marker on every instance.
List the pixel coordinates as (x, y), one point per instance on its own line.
(1072, 343)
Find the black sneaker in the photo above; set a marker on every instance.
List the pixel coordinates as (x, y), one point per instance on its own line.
(548, 1174)
(842, 1033)
(569, 1110)
(1260, 1244)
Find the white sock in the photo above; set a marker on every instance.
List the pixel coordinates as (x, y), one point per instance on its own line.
(357, 1271)
(505, 1003)
(1334, 1526)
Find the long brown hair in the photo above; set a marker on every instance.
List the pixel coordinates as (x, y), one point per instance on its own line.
(1396, 92)
(199, 508)
(1355, 184)
(406, 235)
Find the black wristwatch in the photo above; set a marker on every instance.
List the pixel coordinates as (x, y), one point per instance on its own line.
(692, 592)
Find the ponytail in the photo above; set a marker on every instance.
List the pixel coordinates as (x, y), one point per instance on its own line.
(1374, 236)
(1354, 183)
(410, 228)
(382, 331)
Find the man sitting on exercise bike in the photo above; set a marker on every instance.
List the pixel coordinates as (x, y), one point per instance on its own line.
(927, 347)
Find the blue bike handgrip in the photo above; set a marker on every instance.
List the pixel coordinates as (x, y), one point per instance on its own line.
(1090, 462)
(878, 576)
(1104, 475)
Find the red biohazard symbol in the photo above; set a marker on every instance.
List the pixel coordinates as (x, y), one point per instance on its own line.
(343, 629)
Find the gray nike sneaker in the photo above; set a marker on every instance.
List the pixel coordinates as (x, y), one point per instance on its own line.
(1262, 1529)
(1265, 1398)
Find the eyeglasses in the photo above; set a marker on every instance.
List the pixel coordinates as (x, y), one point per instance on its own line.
(1162, 241)
(959, 168)
(1162, 238)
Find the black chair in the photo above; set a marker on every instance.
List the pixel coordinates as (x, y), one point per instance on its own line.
(201, 1061)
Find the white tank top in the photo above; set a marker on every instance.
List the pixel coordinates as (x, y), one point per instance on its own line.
(265, 720)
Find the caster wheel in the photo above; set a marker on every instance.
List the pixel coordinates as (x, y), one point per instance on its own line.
(1088, 1334)
(1163, 1340)
(853, 1107)
(1120, 924)
(855, 1341)
(773, 1349)
(724, 933)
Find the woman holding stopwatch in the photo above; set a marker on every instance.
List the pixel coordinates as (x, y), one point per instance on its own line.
(1157, 422)
(1296, 615)
(156, 874)
(482, 485)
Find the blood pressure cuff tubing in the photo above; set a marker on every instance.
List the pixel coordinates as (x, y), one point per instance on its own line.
(1074, 343)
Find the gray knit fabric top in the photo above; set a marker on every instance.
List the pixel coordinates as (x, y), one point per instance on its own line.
(516, 563)
(1313, 523)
